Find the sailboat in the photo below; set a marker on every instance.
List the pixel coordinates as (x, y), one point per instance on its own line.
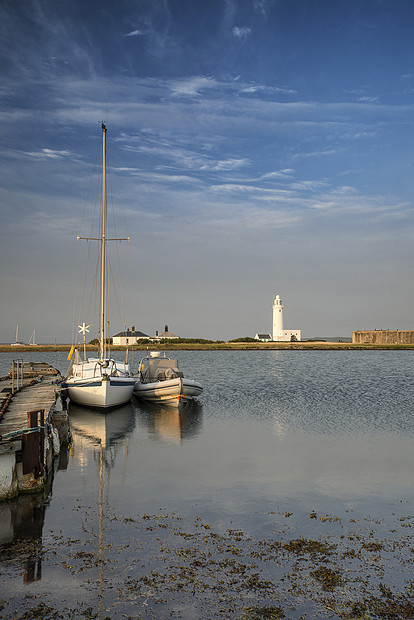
(32, 339)
(100, 381)
(16, 343)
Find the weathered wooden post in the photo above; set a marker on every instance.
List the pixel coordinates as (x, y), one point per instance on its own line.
(33, 444)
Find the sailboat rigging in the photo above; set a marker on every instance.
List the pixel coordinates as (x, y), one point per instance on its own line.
(100, 382)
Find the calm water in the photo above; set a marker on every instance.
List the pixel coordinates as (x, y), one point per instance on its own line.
(159, 513)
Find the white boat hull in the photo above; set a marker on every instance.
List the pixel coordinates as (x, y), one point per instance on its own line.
(101, 392)
(170, 391)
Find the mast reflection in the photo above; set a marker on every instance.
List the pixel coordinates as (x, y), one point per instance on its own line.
(104, 434)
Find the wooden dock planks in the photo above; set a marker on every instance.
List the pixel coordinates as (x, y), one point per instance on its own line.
(33, 427)
(40, 395)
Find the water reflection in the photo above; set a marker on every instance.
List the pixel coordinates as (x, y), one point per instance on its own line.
(171, 424)
(21, 526)
(99, 428)
(103, 433)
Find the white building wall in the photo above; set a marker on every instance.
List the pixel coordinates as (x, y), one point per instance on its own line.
(288, 333)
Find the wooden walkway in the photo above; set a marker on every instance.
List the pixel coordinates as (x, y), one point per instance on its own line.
(33, 427)
(35, 389)
(32, 396)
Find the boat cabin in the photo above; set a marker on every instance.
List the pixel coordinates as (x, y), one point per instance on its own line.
(160, 370)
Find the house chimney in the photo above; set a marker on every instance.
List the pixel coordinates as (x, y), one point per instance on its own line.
(166, 328)
(133, 328)
(156, 333)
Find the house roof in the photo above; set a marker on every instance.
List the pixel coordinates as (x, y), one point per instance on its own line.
(263, 335)
(130, 334)
(167, 335)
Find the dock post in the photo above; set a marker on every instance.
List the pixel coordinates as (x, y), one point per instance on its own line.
(18, 366)
(33, 444)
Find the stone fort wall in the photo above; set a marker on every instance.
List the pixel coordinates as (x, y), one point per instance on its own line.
(383, 336)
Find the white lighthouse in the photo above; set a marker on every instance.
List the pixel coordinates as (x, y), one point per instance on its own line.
(280, 334)
(277, 334)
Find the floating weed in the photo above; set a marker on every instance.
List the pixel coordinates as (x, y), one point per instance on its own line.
(387, 607)
(257, 613)
(372, 546)
(306, 546)
(40, 611)
(328, 578)
(358, 611)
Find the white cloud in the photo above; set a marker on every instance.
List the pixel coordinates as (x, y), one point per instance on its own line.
(192, 86)
(320, 153)
(241, 33)
(226, 164)
(49, 154)
(278, 174)
(262, 6)
(266, 90)
(367, 99)
(308, 185)
(134, 33)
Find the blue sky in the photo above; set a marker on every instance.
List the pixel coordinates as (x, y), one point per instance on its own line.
(259, 147)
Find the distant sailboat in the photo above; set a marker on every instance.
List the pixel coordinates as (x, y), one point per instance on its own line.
(101, 381)
(16, 343)
(32, 339)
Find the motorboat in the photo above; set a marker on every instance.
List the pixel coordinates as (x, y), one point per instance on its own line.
(160, 380)
(99, 381)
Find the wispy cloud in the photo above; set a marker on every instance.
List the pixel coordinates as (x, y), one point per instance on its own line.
(367, 99)
(278, 174)
(266, 90)
(226, 164)
(241, 32)
(49, 154)
(192, 86)
(262, 6)
(308, 186)
(311, 154)
(134, 33)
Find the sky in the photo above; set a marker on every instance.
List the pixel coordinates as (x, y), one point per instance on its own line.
(257, 147)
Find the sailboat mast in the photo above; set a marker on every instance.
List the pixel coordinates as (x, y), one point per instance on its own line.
(102, 351)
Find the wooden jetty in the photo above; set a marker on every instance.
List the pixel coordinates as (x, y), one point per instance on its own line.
(33, 426)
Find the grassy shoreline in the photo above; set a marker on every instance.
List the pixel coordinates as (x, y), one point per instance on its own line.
(222, 346)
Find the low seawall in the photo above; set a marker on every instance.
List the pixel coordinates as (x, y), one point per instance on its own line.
(383, 336)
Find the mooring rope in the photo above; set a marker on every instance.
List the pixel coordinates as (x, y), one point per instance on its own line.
(23, 431)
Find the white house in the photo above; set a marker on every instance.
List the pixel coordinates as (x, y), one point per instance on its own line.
(263, 337)
(130, 336)
(165, 335)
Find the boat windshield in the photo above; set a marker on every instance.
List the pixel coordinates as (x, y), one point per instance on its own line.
(160, 369)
